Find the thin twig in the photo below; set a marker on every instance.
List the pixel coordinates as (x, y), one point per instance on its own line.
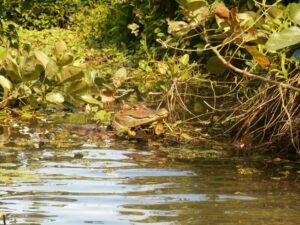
(251, 75)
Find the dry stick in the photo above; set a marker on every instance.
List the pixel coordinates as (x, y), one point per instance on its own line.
(289, 119)
(251, 75)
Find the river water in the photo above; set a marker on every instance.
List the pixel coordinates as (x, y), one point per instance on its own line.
(120, 183)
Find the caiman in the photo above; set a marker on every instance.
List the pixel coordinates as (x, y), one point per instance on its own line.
(136, 116)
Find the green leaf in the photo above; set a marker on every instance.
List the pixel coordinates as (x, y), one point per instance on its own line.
(287, 37)
(2, 52)
(12, 69)
(184, 60)
(119, 77)
(102, 116)
(215, 66)
(193, 5)
(60, 48)
(51, 70)
(55, 97)
(91, 100)
(78, 87)
(31, 69)
(71, 73)
(294, 12)
(42, 57)
(5, 83)
(65, 59)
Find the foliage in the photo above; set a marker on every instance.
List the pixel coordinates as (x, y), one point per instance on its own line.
(31, 77)
(39, 15)
(256, 37)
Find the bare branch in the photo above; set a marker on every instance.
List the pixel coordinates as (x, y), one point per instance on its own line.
(251, 75)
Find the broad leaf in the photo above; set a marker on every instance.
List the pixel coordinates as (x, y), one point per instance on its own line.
(12, 69)
(215, 66)
(78, 87)
(51, 70)
(60, 48)
(287, 37)
(5, 83)
(91, 100)
(294, 12)
(192, 5)
(55, 97)
(31, 69)
(71, 73)
(42, 57)
(65, 59)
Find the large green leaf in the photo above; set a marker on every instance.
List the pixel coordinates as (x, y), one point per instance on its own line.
(65, 59)
(31, 69)
(71, 73)
(78, 87)
(51, 70)
(42, 57)
(294, 12)
(287, 37)
(91, 100)
(60, 48)
(5, 83)
(12, 69)
(55, 97)
(192, 5)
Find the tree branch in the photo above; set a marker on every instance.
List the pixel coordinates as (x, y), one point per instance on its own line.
(251, 75)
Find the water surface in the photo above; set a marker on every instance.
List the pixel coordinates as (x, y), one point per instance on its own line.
(120, 185)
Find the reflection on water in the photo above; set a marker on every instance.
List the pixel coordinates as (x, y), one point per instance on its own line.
(132, 186)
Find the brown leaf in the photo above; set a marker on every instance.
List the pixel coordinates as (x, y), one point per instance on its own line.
(222, 11)
(159, 129)
(107, 98)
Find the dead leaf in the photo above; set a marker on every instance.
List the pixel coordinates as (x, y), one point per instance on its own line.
(107, 98)
(159, 129)
(222, 11)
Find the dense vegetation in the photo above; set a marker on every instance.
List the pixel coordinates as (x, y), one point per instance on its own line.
(229, 68)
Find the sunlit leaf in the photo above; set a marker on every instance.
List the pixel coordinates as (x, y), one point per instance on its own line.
(78, 87)
(51, 70)
(193, 4)
(184, 60)
(65, 59)
(294, 12)
(275, 12)
(159, 129)
(71, 73)
(5, 83)
(102, 115)
(178, 27)
(55, 97)
(119, 77)
(60, 48)
(2, 52)
(42, 57)
(287, 37)
(222, 11)
(12, 69)
(258, 57)
(31, 69)
(91, 100)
